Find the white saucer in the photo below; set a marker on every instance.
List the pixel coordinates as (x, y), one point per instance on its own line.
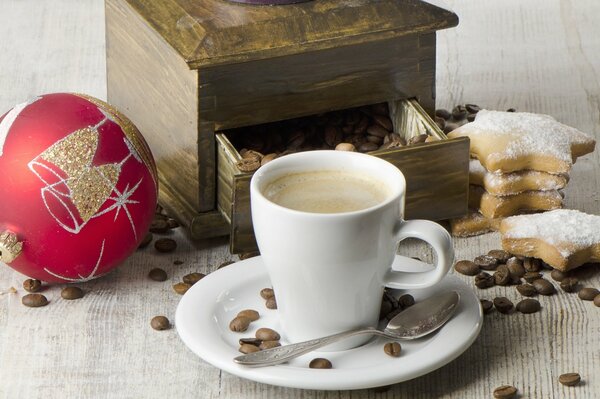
(204, 313)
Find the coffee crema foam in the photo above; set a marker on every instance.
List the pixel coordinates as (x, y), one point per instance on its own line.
(326, 191)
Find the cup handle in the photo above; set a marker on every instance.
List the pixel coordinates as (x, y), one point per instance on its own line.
(441, 242)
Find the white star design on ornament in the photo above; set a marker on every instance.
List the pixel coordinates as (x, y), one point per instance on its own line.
(121, 202)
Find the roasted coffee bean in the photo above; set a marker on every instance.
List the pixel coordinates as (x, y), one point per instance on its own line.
(569, 379)
(486, 305)
(505, 392)
(157, 274)
(406, 301)
(320, 363)
(250, 341)
(500, 255)
(450, 127)
(146, 241)
(472, 108)
(296, 139)
(181, 288)
(267, 293)
(269, 344)
(528, 306)
(526, 289)
(247, 165)
(159, 226)
(71, 293)
(375, 139)
(557, 275)
(486, 262)
(165, 245)
(32, 285)
(544, 287)
(362, 125)
(345, 147)
(597, 300)
(226, 263)
(484, 280)
(177, 262)
(267, 334)
(268, 158)
(247, 348)
(459, 112)
(392, 348)
(511, 110)
(588, 294)
(386, 307)
(248, 255)
(515, 267)
(34, 300)
(384, 122)
(443, 113)
(240, 324)
(251, 154)
(160, 323)
(530, 277)
(393, 313)
(333, 136)
(466, 267)
(569, 284)
(193, 278)
(532, 265)
(251, 314)
(502, 275)
(368, 147)
(503, 304)
(471, 117)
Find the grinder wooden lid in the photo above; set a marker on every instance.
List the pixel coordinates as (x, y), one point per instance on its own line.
(216, 32)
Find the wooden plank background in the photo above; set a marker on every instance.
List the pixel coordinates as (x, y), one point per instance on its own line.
(538, 55)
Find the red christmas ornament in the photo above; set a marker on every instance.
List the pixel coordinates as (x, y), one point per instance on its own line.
(78, 188)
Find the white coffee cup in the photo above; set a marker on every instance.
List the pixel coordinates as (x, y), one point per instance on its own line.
(328, 270)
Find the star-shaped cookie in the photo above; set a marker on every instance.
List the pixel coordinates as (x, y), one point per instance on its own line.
(512, 141)
(562, 238)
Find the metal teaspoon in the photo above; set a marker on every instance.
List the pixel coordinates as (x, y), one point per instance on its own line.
(415, 322)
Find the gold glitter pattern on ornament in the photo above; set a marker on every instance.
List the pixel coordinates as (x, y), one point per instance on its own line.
(75, 190)
(90, 189)
(74, 153)
(133, 135)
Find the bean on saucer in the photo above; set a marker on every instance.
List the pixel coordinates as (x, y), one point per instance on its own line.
(320, 363)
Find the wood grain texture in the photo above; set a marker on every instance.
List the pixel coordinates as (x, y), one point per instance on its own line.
(150, 83)
(213, 32)
(539, 55)
(309, 83)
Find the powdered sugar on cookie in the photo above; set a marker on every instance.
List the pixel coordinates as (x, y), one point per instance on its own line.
(509, 141)
(560, 228)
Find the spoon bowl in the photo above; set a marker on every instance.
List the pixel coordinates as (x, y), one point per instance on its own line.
(415, 322)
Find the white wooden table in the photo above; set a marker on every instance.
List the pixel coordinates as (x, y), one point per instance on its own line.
(538, 55)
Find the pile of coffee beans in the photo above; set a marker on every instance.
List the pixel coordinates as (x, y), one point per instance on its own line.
(264, 338)
(461, 114)
(391, 306)
(512, 270)
(269, 296)
(362, 129)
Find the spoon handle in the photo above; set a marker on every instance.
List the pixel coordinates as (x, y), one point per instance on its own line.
(281, 354)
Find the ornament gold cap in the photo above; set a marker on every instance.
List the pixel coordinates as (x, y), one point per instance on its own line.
(10, 247)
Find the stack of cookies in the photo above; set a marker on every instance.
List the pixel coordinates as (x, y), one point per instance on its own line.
(520, 163)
